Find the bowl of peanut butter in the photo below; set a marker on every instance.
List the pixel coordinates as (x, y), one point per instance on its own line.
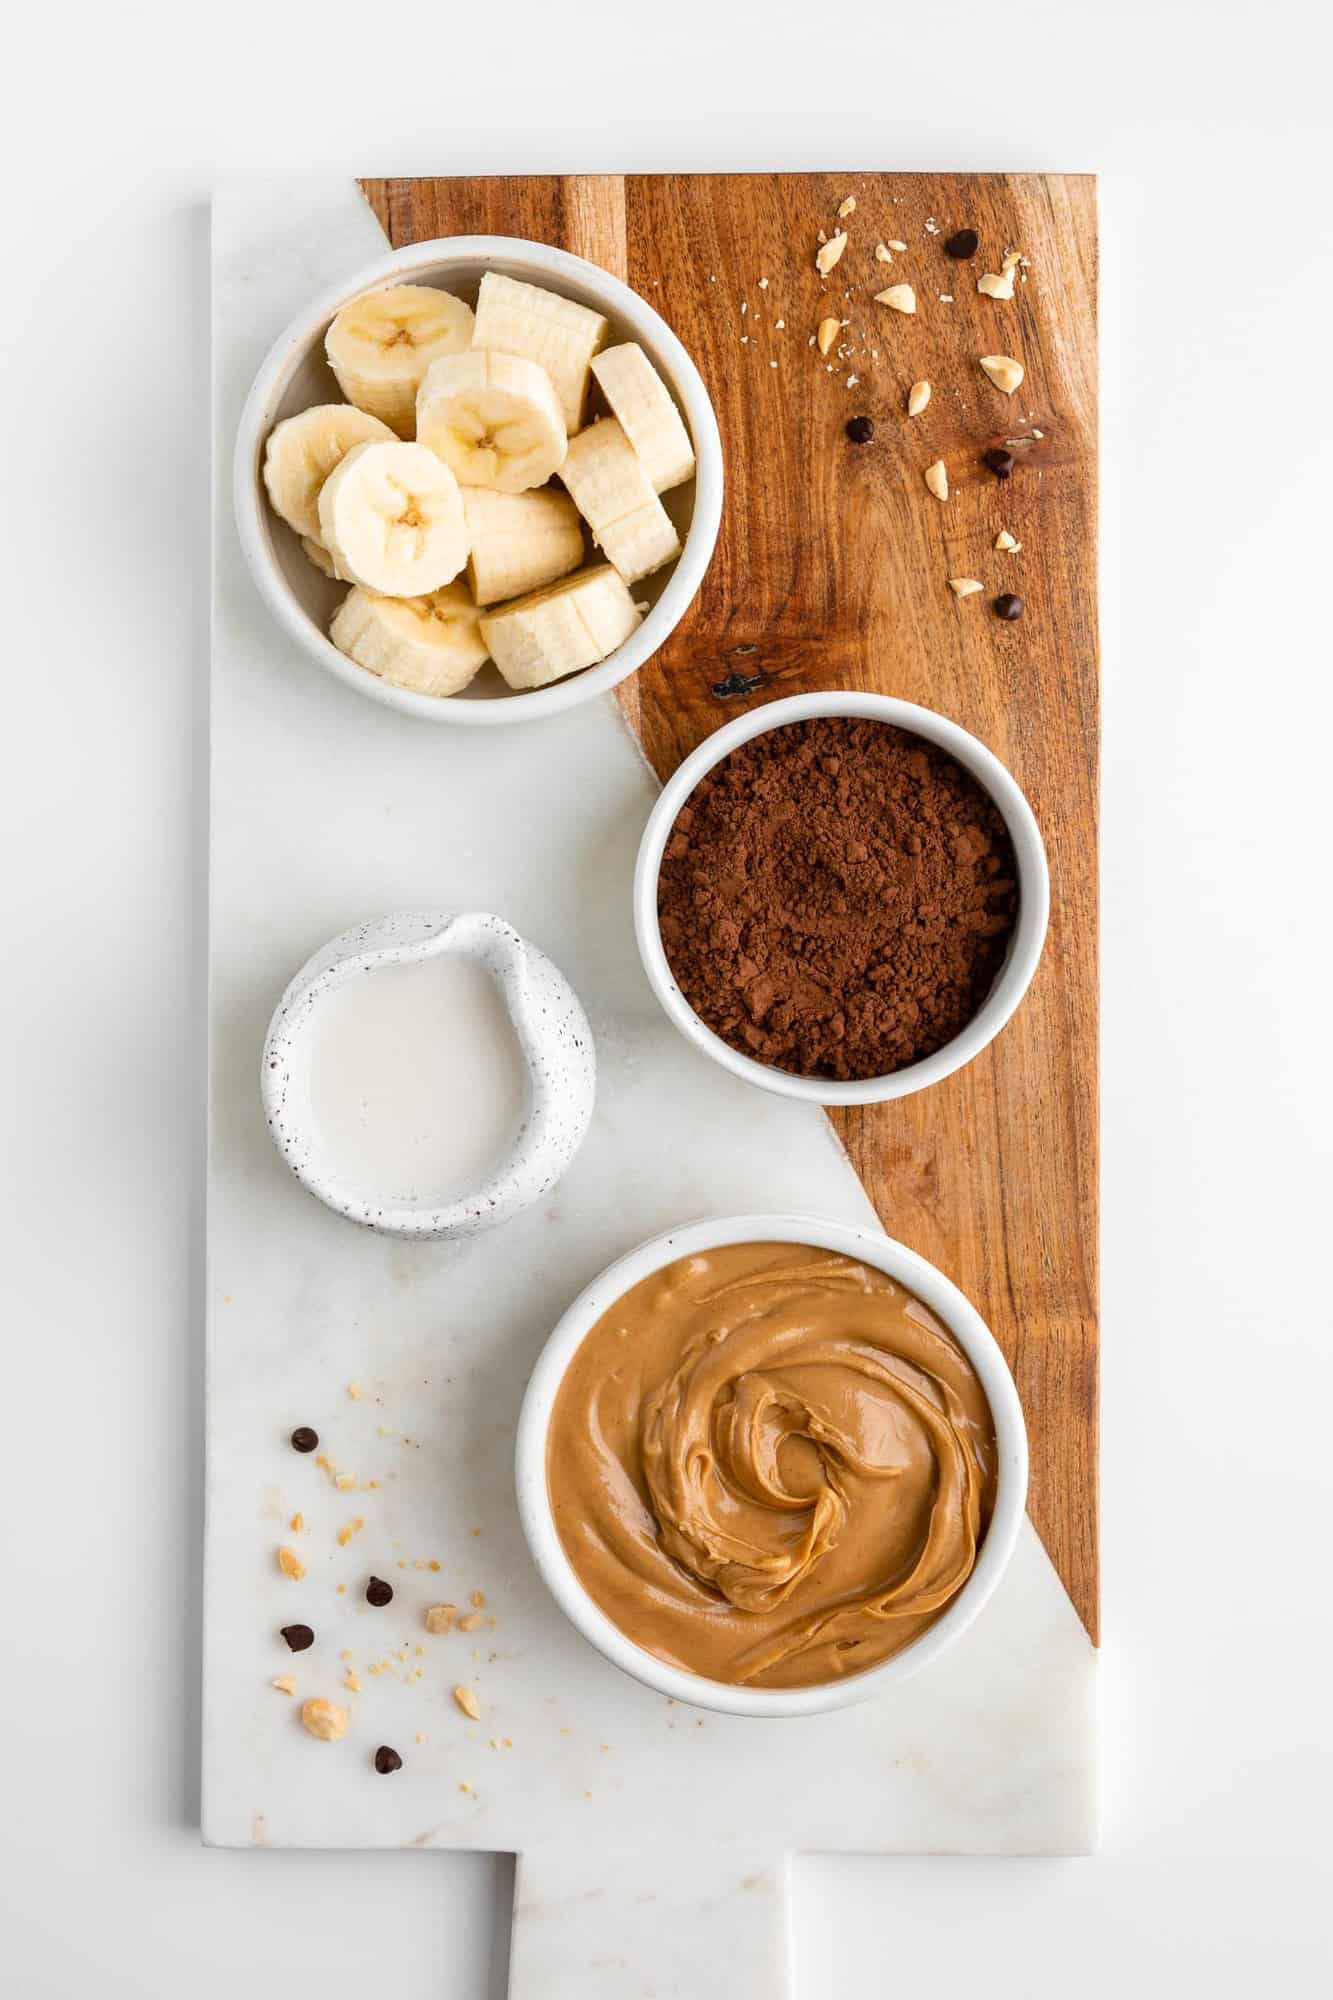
(769, 1464)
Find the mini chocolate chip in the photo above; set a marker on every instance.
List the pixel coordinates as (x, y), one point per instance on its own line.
(860, 430)
(378, 1592)
(298, 1637)
(304, 1439)
(387, 1760)
(1000, 461)
(963, 243)
(1009, 606)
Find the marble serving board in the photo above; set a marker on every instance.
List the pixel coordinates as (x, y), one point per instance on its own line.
(651, 1838)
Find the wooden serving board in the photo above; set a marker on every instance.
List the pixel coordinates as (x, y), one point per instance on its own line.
(831, 571)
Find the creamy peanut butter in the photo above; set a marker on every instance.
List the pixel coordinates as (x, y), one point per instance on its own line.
(771, 1465)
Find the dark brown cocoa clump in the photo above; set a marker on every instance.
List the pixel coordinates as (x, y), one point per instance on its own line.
(836, 898)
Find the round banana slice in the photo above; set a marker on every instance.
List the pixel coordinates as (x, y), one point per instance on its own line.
(558, 631)
(432, 645)
(381, 345)
(519, 540)
(495, 418)
(391, 516)
(641, 402)
(303, 450)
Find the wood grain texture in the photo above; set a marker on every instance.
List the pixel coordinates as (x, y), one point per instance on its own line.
(831, 571)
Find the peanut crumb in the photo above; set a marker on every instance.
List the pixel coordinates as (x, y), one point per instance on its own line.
(883, 253)
(325, 1719)
(470, 1623)
(468, 1702)
(344, 1482)
(285, 1684)
(763, 284)
(965, 586)
(432, 1564)
(290, 1564)
(847, 207)
(1006, 543)
(1002, 370)
(937, 479)
(917, 398)
(827, 334)
(830, 252)
(440, 1617)
(895, 243)
(900, 298)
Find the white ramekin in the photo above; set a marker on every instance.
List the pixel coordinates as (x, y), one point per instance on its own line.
(935, 1291)
(553, 1037)
(295, 374)
(1024, 946)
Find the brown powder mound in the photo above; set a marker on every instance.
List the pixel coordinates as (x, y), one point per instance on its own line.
(836, 898)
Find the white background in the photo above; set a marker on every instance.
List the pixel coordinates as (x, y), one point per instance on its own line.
(1204, 121)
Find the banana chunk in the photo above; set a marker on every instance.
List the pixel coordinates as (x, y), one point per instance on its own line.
(560, 335)
(559, 631)
(520, 541)
(615, 497)
(494, 419)
(381, 345)
(643, 406)
(432, 645)
(301, 453)
(316, 553)
(391, 516)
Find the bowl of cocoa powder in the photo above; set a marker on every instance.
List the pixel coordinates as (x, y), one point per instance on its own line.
(841, 897)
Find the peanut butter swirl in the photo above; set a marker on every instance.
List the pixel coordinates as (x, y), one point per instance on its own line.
(771, 1465)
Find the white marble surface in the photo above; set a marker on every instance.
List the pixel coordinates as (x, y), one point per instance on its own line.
(327, 809)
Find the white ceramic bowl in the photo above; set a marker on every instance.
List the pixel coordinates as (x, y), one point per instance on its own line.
(1024, 946)
(296, 375)
(935, 1291)
(553, 1036)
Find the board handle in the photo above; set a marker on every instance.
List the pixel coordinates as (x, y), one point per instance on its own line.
(592, 1925)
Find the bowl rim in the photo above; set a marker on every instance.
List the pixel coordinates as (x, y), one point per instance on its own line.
(534, 261)
(1025, 948)
(872, 1247)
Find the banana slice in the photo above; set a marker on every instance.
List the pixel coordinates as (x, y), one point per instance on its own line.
(316, 553)
(432, 645)
(391, 516)
(380, 346)
(520, 541)
(558, 334)
(558, 631)
(494, 418)
(613, 493)
(643, 406)
(301, 453)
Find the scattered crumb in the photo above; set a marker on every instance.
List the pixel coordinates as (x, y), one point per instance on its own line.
(354, 1391)
(341, 1588)
(763, 284)
(772, 364)
(745, 307)
(470, 1623)
(830, 252)
(421, 1736)
(464, 1786)
(478, 1598)
(351, 1682)
(468, 1702)
(932, 227)
(352, 1527)
(440, 1617)
(344, 1482)
(508, 1742)
(779, 324)
(290, 1564)
(296, 1523)
(946, 298)
(851, 381)
(285, 1684)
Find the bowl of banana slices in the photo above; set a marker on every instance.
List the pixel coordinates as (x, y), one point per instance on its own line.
(480, 482)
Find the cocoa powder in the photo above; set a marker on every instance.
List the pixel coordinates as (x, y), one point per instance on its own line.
(836, 898)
